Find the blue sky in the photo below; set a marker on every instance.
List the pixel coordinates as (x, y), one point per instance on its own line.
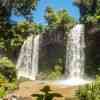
(57, 5)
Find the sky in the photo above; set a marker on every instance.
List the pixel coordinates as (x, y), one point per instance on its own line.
(56, 5)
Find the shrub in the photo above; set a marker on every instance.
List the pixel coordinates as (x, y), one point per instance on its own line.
(2, 92)
(51, 74)
(90, 91)
(56, 73)
(7, 69)
(2, 80)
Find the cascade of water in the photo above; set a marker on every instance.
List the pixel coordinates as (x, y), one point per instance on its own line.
(27, 65)
(75, 55)
(75, 58)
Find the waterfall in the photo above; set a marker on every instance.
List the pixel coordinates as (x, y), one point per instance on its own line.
(27, 65)
(75, 55)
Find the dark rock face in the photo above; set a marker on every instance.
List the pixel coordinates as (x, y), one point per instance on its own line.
(52, 49)
(53, 37)
(92, 37)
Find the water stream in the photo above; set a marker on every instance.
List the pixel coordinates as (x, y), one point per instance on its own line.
(27, 65)
(75, 57)
(75, 54)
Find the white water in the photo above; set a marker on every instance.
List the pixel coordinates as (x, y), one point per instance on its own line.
(27, 65)
(75, 56)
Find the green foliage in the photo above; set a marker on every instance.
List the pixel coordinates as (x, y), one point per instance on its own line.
(12, 41)
(20, 7)
(46, 94)
(25, 7)
(20, 32)
(90, 91)
(25, 28)
(92, 14)
(58, 18)
(9, 38)
(90, 19)
(2, 92)
(11, 86)
(55, 74)
(7, 69)
(7, 87)
(50, 74)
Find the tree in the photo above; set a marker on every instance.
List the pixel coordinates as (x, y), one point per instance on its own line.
(8, 36)
(23, 7)
(58, 18)
(90, 10)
